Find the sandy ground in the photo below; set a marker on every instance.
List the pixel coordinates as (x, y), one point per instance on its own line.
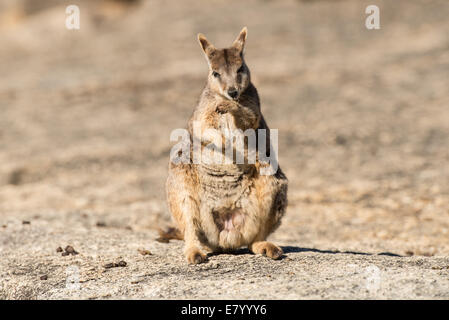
(363, 119)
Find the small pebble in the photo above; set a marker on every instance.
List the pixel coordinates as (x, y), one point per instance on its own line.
(122, 264)
(59, 249)
(44, 277)
(70, 250)
(115, 265)
(144, 252)
(340, 140)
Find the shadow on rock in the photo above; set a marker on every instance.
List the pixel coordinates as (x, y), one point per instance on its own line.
(293, 249)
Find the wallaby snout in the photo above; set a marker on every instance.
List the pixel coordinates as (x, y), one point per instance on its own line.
(233, 93)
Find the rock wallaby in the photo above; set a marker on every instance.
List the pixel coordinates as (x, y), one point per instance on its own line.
(221, 207)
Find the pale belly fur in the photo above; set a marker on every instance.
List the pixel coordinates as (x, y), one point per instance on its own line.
(227, 200)
(226, 203)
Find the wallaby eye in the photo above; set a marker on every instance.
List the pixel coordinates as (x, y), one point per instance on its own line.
(241, 69)
(215, 74)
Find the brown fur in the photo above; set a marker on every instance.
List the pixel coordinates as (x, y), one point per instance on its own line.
(223, 207)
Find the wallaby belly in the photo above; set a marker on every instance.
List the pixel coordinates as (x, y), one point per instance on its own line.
(228, 204)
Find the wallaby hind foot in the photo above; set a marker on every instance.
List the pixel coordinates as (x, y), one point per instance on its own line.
(267, 249)
(195, 255)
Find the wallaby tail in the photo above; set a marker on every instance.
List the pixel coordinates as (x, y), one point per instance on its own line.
(170, 233)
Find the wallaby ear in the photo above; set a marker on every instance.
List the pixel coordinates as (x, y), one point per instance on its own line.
(205, 44)
(239, 43)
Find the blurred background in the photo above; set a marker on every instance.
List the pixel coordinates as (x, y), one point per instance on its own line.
(363, 115)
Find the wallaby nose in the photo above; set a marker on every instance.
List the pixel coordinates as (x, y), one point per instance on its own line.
(233, 93)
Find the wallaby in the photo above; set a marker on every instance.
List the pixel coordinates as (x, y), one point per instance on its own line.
(218, 208)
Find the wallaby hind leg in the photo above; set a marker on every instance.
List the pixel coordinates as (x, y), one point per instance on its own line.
(192, 247)
(184, 208)
(190, 216)
(272, 191)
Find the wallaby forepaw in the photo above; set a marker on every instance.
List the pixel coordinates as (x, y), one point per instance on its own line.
(267, 249)
(195, 256)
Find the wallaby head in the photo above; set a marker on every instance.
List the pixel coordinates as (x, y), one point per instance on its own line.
(228, 74)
